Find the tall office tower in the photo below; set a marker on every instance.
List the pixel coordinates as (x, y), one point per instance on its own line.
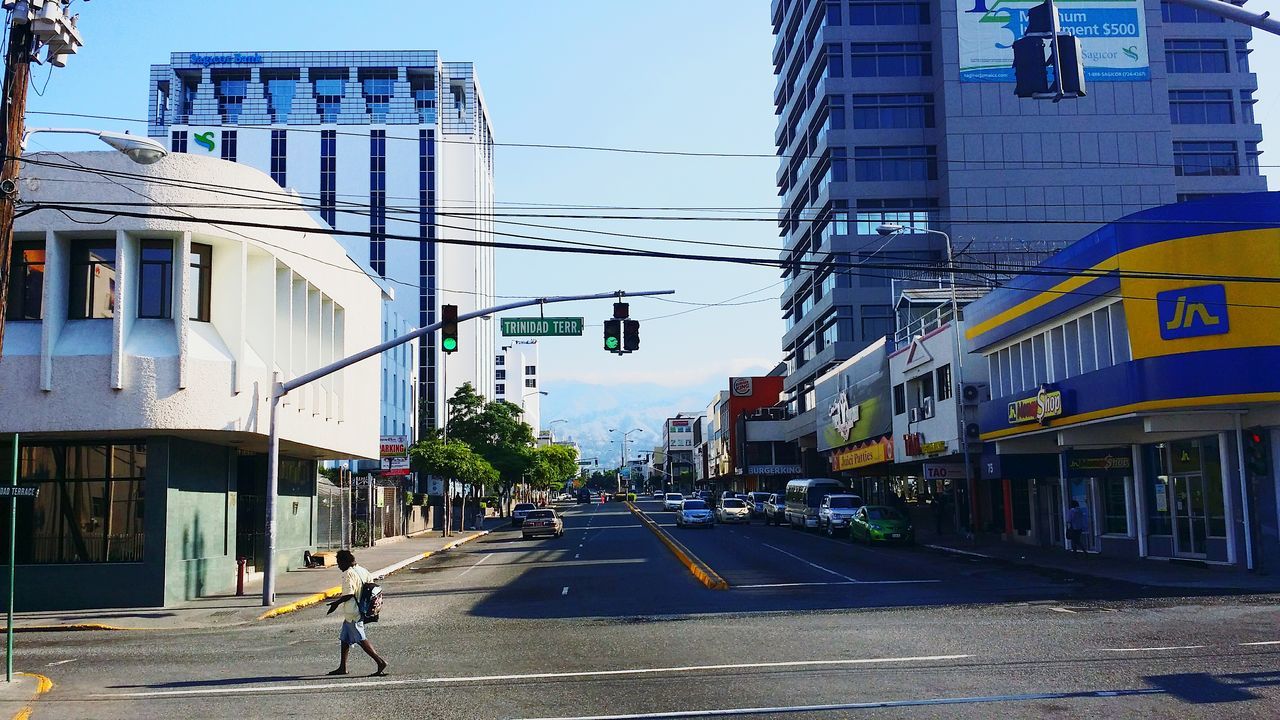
(393, 147)
(903, 111)
(516, 379)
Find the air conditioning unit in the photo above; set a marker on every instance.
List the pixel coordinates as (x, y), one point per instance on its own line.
(926, 408)
(971, 431)
(974, 393)
(913, 415)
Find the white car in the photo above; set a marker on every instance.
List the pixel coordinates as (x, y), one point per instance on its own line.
(520, 511)
(733, 510)
(837, 511)
(672, 501)
(695, 513)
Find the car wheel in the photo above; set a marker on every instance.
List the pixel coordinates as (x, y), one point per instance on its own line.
(831, 530)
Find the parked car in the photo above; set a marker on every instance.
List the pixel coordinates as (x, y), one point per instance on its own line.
(672, 501)
(756, 500)
(775, 509)
(733, 510)
(658, 495)
(836, 511)
(542, 522)
(804, 496)
(881, 523)
(694, 513)
(520, 512)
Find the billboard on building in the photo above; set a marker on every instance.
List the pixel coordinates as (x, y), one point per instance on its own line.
(853, 400)
(1113, 35)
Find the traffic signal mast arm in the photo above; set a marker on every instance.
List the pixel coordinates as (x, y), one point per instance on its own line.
(1229, 11)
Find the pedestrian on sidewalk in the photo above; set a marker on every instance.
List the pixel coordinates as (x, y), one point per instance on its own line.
(353, 579)
(1077, 526)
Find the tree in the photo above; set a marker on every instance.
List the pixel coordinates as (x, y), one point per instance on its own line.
(495, 431)
(454, 459)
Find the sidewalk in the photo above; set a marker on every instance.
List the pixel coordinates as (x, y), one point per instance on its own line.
(295, 589)
(1150, 572)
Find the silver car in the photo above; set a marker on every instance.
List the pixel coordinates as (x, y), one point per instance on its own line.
(672, 501)
(694, 513)
(734, 510)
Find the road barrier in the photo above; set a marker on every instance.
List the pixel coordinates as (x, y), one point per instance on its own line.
(700, 569)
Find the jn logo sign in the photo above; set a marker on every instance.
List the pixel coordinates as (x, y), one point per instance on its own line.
(1193, 312)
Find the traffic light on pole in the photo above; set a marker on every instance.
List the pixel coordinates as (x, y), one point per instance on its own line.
(1257, 452)
(630, 335)
(613, 336)
(449, 328)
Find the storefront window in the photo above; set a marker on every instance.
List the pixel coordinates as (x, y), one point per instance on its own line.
(1115, 518)
(1159, 517)
(90, 504)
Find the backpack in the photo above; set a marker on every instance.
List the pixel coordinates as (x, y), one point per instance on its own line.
(370, 601)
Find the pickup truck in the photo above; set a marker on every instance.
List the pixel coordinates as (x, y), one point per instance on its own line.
(775, 509)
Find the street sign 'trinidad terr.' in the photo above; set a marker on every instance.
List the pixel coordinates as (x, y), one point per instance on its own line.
(541, 326)
(19, 490)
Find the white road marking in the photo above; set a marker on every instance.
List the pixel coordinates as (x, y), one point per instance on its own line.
(297, 686)
(958, 551)
(575, 555)
(806, 562)
(473, 567)
(1163, 647)
(1063, 610)
(1263, 642)
(61, 662)
(565, 591)
(847, 582)
(920, 702)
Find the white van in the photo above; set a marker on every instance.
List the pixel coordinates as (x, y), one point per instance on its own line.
(804, 496)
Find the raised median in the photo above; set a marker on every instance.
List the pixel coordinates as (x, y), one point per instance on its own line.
(697, 567)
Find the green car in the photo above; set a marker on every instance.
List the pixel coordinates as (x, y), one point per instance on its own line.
(880, 523)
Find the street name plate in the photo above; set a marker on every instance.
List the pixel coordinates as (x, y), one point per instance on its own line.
(541, 326)
(19, 491)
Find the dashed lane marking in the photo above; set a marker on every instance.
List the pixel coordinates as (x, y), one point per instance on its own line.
(565, 591)
(473, 567)
(810, 564)
(846, 582)
(1162, 647)
(1261, 642)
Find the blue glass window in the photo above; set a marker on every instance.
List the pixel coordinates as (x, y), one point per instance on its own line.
(378, 88)
(1196, 56)
(427, 267)
(1246, 106)
(190, 87)
(888, 12)
(1205, 158)
(155, 279)
(894, 163)
(279, 155)
(872, 112)
(833, 12)
(1242, 56)
(908, 59)
(231, 94)
(280, 97)
(1200, 107)
(423, 88)
(329, 97)
(378, 201)
(1172, 12)
(328, 175)
(835, 60)
(839, 164)
(835, 112)
(178, 141)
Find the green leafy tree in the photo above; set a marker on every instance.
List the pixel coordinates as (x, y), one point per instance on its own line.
(495, 431)
(454, 459)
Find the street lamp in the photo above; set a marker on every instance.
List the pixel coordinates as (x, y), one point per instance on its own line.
(142, 150)
(623, 464)
(889, 230)
(551, 428)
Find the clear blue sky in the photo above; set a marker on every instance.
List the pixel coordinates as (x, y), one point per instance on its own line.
(688, 75)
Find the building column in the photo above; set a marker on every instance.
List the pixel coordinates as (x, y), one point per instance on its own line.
(1225, 457)
(204, 110)
(1140, 500)
(255, 110)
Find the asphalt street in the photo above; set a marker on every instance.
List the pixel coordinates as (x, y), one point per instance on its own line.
(604, 622)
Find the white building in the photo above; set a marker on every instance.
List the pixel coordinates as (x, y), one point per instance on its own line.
(138, 362)
(515, 377)
(394, 150)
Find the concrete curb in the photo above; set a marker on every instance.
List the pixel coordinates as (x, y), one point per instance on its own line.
(697, 567)
(377, 575)
(43, 685)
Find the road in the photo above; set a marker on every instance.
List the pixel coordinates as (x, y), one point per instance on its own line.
(605, 622)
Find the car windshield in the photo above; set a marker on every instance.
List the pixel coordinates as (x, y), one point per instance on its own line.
(883, 513)
(542, 514)
(843, 502)
(674, 496)
(734, 503)
(694, 505)
(524, 506)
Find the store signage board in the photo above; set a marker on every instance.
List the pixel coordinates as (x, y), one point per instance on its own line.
(542, 327)
(393, 445)
(1045, 404)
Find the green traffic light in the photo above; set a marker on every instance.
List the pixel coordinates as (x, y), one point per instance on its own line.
(450, 344)
(611, 342)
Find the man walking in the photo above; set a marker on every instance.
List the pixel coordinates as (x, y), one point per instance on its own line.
(353, 579)
(1077, 526)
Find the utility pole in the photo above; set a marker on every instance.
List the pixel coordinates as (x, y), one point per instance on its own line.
(42, 23)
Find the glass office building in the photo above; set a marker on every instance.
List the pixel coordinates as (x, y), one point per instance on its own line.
(371, 141)
(903, 111)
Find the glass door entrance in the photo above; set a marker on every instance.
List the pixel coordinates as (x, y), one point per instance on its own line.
(1188, 515)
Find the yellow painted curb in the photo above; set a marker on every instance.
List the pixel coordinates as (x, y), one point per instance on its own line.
(43, 685)
(68, 627)
(697, 567)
